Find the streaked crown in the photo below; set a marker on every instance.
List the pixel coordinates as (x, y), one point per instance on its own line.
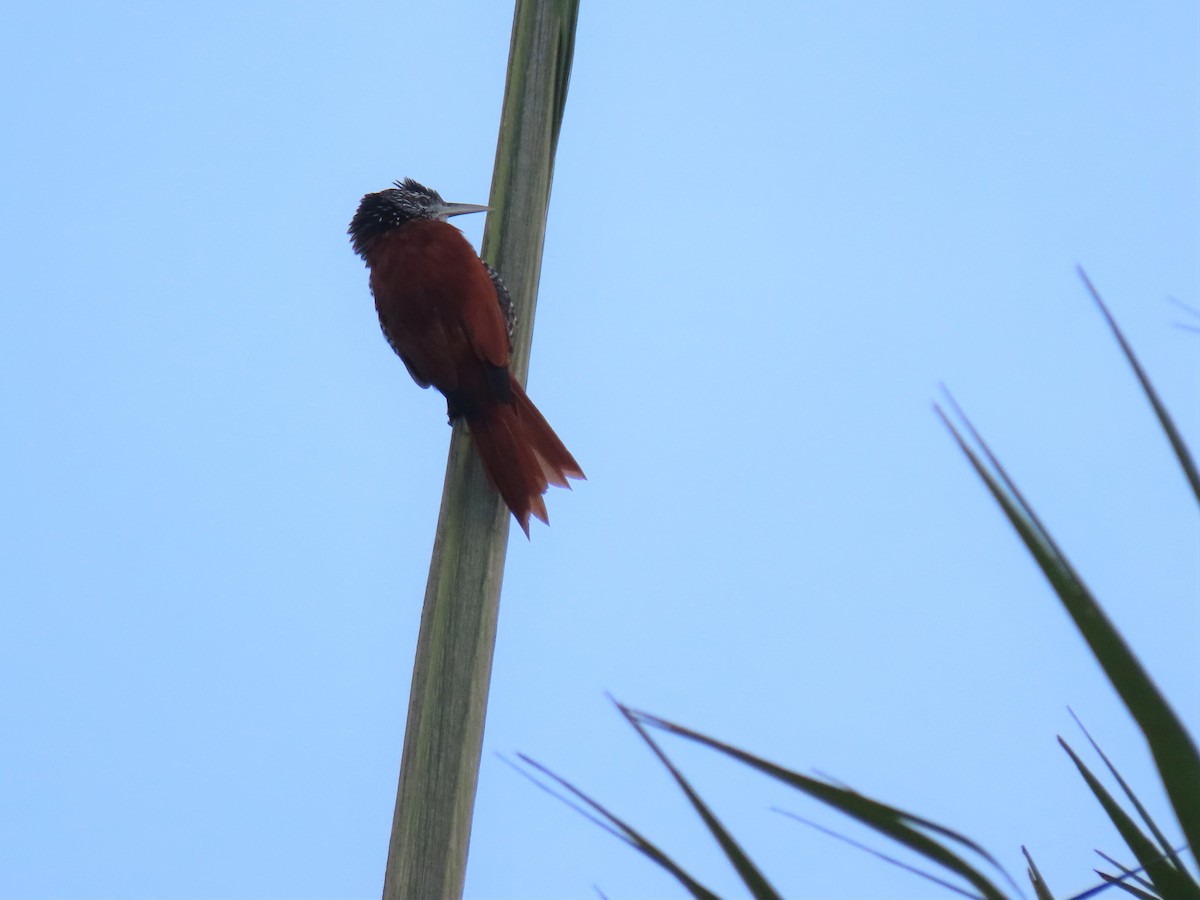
(395, 207)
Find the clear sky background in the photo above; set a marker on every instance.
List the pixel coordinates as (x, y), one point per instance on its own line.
(775, 229)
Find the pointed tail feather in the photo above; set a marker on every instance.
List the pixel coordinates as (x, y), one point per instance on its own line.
(522, 455)
(556, 460)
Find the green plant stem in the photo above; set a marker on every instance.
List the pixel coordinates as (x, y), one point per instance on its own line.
(443, 738)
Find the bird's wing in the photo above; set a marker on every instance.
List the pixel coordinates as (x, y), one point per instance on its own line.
(507, 309)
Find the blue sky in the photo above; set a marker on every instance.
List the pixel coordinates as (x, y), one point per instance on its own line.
(773, 233)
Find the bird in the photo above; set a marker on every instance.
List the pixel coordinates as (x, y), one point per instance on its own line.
(448, 316)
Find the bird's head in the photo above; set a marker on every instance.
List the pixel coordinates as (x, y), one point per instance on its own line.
(407, 202)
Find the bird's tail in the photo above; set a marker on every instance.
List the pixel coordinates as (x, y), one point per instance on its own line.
(521, 454)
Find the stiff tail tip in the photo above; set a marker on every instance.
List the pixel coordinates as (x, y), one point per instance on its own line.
(522, 456)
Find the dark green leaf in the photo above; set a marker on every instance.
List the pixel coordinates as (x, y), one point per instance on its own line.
(1127, 874)
(1167, 850)
(1174, 752)
(1035, 877)
(1167, 879)
(900, 864)
(750, 874)
(903, 827)
(1127, 888)
(617, 827)
(1164, 418)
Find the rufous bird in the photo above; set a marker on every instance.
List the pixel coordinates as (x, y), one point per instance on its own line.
(449, 317)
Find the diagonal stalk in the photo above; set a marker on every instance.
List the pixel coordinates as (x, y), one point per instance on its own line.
(443, 739)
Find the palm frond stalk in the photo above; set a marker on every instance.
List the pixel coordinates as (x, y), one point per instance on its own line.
(443, 739)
